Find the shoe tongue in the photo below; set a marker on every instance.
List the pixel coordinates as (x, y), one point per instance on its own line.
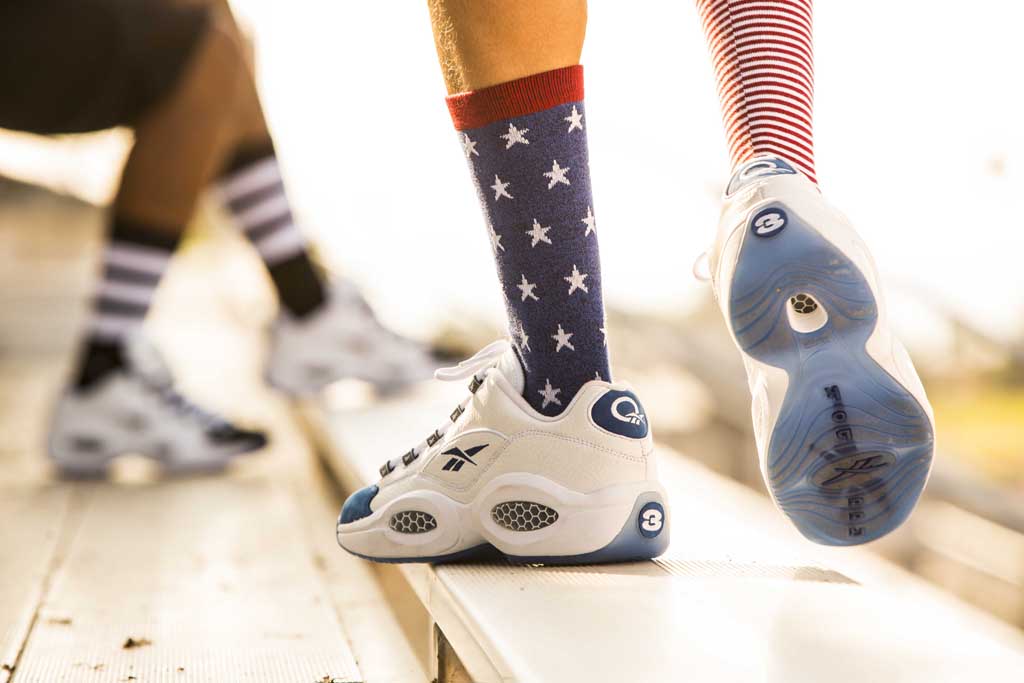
(145, 360)
(511, 367)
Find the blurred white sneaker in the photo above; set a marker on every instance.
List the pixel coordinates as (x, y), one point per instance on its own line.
(577, 488)
(842, 423)
(341, 340)
(135, 410)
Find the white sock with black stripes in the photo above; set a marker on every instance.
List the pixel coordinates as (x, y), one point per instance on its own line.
(134, 260)
(253, 191)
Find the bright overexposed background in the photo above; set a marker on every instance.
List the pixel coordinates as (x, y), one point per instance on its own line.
(919, 140)
(918, 127)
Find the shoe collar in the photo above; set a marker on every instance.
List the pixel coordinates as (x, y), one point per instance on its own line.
(512, 389)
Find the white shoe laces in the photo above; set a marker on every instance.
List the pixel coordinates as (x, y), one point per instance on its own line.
(481, 359)
(477, 367)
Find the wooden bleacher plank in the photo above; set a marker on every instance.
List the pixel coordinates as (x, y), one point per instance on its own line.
(739, 596)
(374, 631)
(208, 578)
(34, 522)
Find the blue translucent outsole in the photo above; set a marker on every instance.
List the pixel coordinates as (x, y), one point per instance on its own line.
(852, 448)
(630, 545)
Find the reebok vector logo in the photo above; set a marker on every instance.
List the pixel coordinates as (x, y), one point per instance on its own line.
(852, 471)
(460, 457)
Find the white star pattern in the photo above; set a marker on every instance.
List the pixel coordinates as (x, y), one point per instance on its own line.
(538, 233)
(576, 279)
(527, 289)
(573, 311)
(515, 135)
(550, 395)
(590, 222)
(495, 239)
(575, 120)
(557, 175)
(500, 189)
(469, 146)
(524, 339)
(562, 339)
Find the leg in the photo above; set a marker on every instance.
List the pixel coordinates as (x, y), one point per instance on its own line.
(250, 158)
(180, 141)
(253, 191)
(177, 84)
(519, 111)
(842, 423)
(547, 460)
(764, 62)
(326, 331)
(183, 141)
(480, 44)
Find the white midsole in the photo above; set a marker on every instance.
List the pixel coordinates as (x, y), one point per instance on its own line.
(586, 521)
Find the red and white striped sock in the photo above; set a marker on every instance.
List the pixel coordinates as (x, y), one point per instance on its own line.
(763, 56)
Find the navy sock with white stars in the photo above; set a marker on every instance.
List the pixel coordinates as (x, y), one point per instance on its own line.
(526, 144)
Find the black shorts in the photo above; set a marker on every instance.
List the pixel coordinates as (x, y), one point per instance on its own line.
(73, 66)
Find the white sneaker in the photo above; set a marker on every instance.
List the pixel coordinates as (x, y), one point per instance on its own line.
(135, 410)
(343, 339)
(842, 423)
(577, 488)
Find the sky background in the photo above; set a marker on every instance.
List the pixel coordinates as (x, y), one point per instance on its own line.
(918, 135)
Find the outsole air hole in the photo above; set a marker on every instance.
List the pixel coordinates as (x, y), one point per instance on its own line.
(805, 313)
(523, 515)
(412, 522)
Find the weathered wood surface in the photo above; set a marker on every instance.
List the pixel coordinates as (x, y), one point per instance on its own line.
(212, 579)
(33, 523)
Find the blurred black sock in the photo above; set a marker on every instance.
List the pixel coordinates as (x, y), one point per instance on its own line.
(298, 284)
(253, 191)
(97, 359)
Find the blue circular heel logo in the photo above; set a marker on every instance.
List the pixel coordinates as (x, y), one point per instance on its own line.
(756, 169)
(651, 520)
(620, 412)
(769, 222)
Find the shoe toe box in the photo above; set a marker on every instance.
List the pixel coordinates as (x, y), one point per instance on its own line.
(358, 505)
(237, 439)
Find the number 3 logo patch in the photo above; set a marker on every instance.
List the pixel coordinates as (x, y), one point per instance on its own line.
(651, 520)
(769, 222)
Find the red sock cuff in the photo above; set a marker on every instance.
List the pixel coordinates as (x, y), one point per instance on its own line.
(516, 98)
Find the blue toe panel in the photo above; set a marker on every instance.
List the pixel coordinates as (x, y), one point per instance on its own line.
(358, 505)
